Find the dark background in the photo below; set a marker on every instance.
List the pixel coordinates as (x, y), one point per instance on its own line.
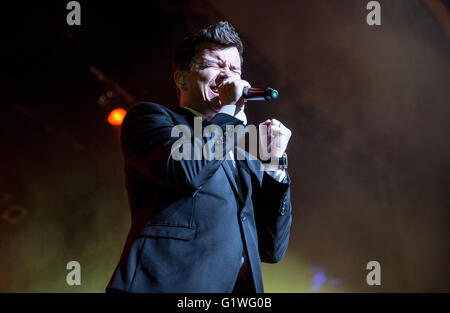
(368, 107)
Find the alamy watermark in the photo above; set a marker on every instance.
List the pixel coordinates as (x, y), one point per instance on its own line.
(373, 278)
(73, 278)
(74, 16)
(374, 16)
(214, 142)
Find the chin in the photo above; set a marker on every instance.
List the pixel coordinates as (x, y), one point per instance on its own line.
(214, 104)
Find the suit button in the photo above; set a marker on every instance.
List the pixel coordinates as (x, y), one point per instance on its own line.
(283, 211)
(243, 217)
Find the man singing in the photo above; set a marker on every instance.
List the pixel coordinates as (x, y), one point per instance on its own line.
(201, 225)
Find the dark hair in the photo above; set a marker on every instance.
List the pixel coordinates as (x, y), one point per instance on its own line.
(222, 33)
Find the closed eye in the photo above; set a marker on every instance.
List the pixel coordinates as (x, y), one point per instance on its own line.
(237, 71)
(210, 65)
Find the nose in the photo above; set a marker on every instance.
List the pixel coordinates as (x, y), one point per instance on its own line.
(225, 73)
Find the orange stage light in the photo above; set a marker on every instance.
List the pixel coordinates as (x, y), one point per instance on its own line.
(116, 116)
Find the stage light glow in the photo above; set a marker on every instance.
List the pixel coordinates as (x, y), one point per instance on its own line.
(116, 117)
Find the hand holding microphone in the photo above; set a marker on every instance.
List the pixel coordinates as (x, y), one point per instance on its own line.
(237, 91)
(231, 91)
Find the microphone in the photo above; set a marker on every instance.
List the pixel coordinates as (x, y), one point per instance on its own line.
(259, 94)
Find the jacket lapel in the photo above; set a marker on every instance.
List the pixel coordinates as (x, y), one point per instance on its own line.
(227, 168)
(255, 167)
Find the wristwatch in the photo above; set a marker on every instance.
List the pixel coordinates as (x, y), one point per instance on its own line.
(281, 162)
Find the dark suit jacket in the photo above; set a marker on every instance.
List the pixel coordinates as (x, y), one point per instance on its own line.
(190, 225)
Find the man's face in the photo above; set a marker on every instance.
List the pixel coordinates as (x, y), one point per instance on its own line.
(212, 64)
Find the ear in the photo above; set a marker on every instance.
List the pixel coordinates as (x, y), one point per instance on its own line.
(180, 79)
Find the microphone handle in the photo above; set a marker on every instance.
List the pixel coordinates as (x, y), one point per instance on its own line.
(260, 94)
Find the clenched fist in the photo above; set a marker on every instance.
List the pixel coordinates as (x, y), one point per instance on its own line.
(273, 139)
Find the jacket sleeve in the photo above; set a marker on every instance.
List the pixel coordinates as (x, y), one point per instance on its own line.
(146, 140)
(273, 217)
